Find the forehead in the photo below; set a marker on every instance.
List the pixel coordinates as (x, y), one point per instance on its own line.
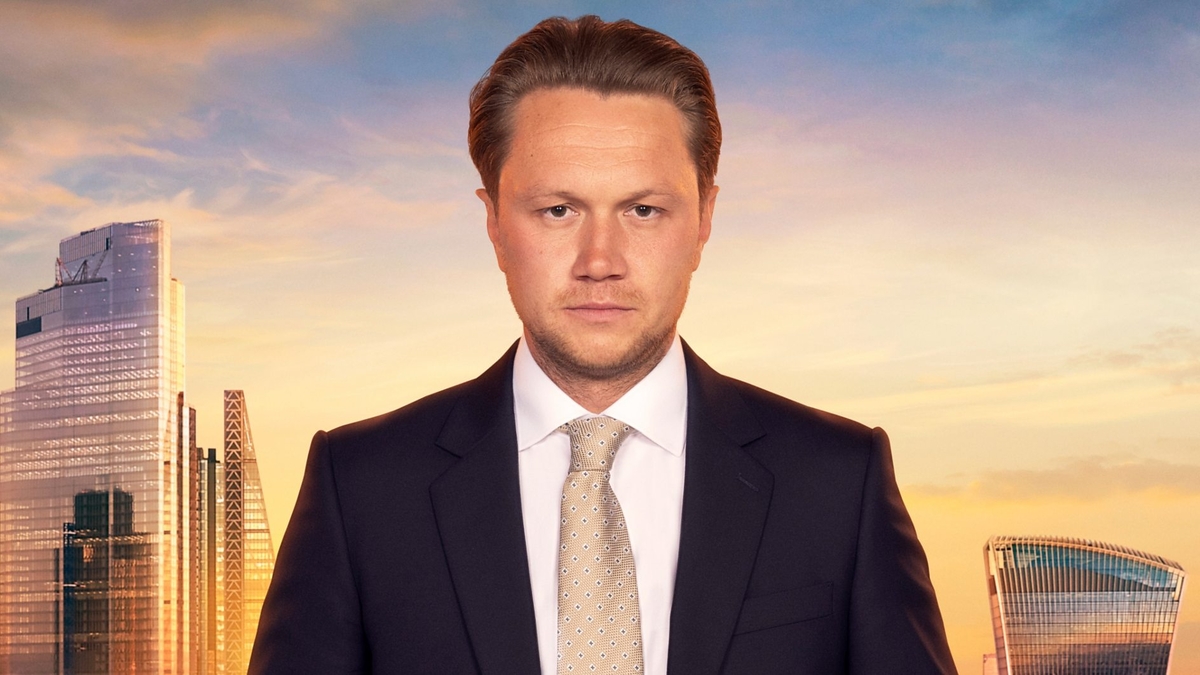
(584, 105)
(569, 133)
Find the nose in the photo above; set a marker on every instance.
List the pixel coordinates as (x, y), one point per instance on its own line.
(601, 249)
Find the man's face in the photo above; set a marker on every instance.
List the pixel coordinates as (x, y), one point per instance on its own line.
(599, 227)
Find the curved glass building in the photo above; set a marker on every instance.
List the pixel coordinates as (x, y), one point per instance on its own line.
(1063, 606)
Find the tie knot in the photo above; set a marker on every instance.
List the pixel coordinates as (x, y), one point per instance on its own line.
(594, 442)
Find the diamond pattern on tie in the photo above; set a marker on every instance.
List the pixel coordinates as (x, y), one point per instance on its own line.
(598, 629)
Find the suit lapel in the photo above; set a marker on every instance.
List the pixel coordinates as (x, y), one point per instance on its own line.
(725, 501)
(477, 504)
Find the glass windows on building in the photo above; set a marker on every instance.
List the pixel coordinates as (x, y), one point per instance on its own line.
(1064, 606)
(88, 463)
(124, 546)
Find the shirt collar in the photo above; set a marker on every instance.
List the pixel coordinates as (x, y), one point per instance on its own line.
(656, 406)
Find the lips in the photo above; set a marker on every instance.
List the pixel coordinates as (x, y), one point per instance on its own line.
(598, 311)
(599, 306)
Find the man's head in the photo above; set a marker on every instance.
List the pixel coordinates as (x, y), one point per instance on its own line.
(606, 58)
(598, 186)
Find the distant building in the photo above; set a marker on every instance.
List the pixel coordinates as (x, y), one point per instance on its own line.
(249, 556)
(95, 428)
(1080, 607)
(124, 548)
(105, 595)
(235, 551)
(210, 509)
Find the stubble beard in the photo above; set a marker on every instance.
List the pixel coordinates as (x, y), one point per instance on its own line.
(563, 361)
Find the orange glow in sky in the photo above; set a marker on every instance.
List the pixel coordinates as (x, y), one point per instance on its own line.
(973, 224)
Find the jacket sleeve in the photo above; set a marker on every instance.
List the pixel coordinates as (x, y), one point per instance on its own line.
(311, 619)
(895, 624)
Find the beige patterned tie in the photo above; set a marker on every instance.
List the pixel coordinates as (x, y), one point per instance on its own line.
(598, 629)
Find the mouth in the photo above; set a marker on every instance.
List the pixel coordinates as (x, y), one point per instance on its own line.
(598, 311)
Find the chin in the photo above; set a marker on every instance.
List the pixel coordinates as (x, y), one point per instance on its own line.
(602, 358)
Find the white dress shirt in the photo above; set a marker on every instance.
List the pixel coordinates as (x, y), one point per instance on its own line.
(647, 477)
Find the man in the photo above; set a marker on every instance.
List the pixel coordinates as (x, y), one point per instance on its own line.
(600, 500)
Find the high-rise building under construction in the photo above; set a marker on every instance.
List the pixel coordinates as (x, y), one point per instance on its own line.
(112, 537)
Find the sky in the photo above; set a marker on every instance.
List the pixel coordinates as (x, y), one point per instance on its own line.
(974, 224)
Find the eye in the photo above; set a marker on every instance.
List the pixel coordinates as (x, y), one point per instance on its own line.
(643, 211)
(558, 212)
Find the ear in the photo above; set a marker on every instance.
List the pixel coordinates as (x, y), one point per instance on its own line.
(493, 226)
(706, 213)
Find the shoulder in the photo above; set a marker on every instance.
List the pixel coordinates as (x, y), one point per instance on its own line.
(749, 412)
(809, 451)
(794, 432)
(394, 451)
(776, 412)
(423, 431)
(423, 418)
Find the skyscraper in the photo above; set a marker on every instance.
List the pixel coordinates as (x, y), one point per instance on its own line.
(210, 659)
(249, 556)
(1066, 606)
(124, 546)
(105, 594)
(95, 567)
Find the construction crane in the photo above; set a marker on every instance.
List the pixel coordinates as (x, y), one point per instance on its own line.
(83, 275)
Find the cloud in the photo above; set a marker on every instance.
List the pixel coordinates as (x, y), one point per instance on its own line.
(1084, 479)
(1094, 386)
(83, 80)
(127, 103)
(78, 61)
(1172, 355)
(192, 27)
(1132, 32)
(96, 53)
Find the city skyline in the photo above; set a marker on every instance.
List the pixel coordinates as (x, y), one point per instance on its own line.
(970, 223)
(126, 547)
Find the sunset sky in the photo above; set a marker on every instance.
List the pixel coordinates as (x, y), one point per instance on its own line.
(974, 224)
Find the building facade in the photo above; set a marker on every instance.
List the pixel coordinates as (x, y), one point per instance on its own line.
(113, 525)
(249, 555)
(1063, 606)
(95, 418)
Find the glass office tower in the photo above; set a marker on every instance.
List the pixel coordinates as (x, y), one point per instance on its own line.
(124, 546)
(1064, 606)
(95, 453)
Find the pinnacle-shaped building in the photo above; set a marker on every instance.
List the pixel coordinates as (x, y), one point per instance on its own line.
(249, 556)
(1064, 606)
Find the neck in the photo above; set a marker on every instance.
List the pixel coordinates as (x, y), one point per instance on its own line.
(596, 394)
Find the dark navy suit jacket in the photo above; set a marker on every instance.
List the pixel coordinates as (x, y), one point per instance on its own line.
(406, 549)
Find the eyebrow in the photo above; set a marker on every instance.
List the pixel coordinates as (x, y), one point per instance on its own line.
(537, 193)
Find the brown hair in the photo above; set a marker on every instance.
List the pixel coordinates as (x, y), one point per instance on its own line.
(620, 57)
